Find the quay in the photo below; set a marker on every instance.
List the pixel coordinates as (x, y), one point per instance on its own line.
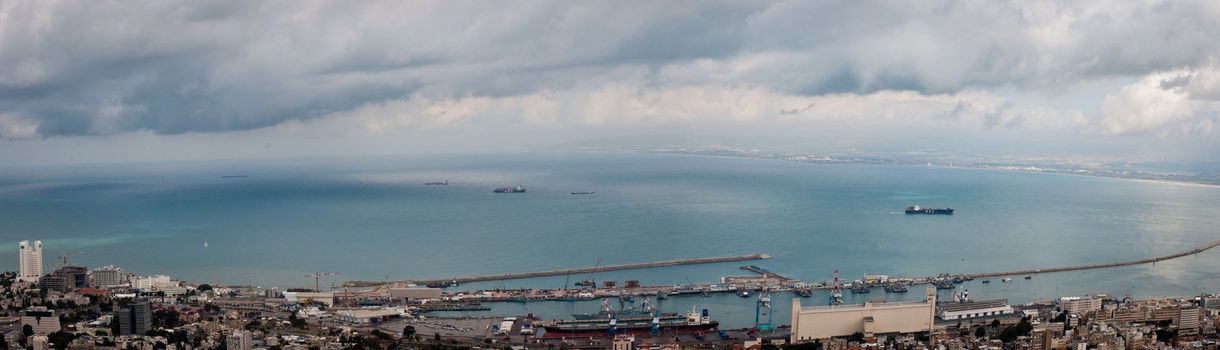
(765, 272)
(560, 272)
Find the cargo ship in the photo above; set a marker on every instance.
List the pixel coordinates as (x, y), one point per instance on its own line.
(918, 210)
(437, 183)
(693, 322)
(583, 192)
(513, 189)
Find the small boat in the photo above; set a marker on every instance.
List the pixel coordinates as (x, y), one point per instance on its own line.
(896, 288)
(804, 293)
(586, 283)
(706, 294)
(1029, 277)
(1006, 279)
(745, 294)
(986, 281)
(860, 289)
(584, 192)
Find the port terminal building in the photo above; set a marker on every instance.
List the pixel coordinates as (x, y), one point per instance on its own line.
(974, 309)
(871, 318)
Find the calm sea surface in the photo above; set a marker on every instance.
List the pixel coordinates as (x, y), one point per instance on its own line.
(373, 218)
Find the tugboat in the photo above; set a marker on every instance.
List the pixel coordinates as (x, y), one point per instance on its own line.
(944, 284)
(895, 288)
(804, 292)
(860, 289)
(916, 209)
(513, 189)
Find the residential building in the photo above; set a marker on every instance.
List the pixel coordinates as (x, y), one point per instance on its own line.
(31, 261)
(106, 276)
(239, 340)
(155, 282)
(40, 342)
(135, 319)
(1080, 305)
(41, 320)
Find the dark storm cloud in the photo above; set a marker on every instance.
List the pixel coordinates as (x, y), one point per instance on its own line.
(88, 67)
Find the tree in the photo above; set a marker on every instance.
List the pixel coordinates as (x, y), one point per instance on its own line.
(27, 330)
(436, 337)
(408, 332)
(3, 342)
(204, 287)
(980, 332)
(61, 339)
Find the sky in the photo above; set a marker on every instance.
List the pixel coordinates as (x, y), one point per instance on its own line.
(133, 81)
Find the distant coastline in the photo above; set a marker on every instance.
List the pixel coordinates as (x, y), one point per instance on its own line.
(1149, 177)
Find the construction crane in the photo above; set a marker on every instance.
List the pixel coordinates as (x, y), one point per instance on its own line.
(66, 256)
(317, 278)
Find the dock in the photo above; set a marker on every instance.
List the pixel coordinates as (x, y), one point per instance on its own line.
(560, 272)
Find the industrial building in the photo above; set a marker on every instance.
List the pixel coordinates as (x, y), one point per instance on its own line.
(324, 298)
(973, 309)
(415, 293)
(823, 322)
(31, 261)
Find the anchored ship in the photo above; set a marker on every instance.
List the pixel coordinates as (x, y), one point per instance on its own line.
(437, 183)
(919, 210)
(513, 189)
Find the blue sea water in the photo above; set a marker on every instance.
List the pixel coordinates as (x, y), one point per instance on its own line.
(373, 218)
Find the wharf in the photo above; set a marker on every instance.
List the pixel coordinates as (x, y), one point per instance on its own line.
(765, 273)
(560, 272)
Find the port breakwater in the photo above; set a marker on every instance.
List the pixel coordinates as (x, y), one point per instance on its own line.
(560, 272)
(1196, 250)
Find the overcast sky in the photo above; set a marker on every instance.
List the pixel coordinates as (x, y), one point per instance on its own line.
(88, 81)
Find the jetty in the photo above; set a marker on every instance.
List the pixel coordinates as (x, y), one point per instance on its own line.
(1196, 250)
(560, 272)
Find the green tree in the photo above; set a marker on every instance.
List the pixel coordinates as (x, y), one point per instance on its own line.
(980, 332)
(408, 332)
(204, 287)
(27, 330)
(3, 342)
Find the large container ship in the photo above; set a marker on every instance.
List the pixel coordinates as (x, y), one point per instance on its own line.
(511, 189)
(694, 322)
(935, 211)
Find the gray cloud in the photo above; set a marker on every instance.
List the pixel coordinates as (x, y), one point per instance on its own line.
(97, 68)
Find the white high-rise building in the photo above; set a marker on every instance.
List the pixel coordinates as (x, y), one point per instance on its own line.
(31, 261)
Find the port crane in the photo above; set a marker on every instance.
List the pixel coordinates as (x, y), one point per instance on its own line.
(762, 311)
(67, 255)
(836, 295)
(317, 279)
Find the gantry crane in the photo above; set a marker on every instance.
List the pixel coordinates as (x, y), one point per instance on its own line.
(317, 278)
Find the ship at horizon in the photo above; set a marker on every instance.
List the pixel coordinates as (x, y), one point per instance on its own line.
(510, 189)
(437, 183)
(916, 209)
